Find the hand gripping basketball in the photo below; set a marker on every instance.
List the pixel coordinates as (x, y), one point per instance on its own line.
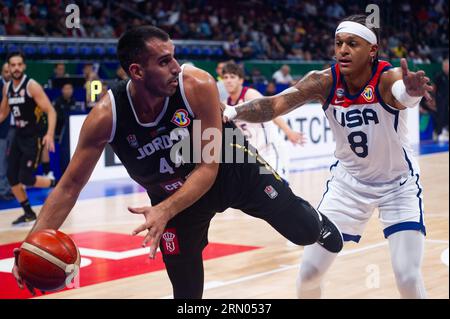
(19, 280)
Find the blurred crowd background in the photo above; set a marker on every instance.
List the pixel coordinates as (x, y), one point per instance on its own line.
(252, 29)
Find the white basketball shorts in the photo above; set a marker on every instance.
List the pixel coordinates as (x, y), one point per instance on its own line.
(350, 203)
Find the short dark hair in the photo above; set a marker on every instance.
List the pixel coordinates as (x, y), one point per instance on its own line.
(15, 53)
(232, 68)
(361, 19)
(131, 47)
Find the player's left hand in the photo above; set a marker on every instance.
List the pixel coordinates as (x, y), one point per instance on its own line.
(416, 83)
(296, 137)
(49, 143)
(229, 113)
(155, 222)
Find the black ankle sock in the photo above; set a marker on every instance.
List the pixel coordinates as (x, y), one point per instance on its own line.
(27, 208)
(46, 168)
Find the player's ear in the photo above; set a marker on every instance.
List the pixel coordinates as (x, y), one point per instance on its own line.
(373, 51)
(136, 72)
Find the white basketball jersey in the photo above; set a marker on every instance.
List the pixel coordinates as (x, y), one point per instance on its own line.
(371, 136)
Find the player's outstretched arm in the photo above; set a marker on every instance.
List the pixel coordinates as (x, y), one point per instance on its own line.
(201, 92)
(94, 135)
(315, 85)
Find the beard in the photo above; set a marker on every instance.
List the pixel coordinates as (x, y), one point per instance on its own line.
(17, 75)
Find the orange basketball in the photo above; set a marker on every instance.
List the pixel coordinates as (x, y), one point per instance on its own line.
(47, 258)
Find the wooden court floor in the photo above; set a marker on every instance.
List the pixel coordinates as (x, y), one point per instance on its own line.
(361, 271)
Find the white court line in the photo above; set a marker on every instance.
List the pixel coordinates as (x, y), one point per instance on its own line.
(97, 253)
(219, 284)
(436, 241)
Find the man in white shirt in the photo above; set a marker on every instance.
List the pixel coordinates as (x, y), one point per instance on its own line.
(283, 76)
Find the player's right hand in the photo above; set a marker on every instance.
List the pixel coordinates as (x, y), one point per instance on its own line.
(15, 272)
(229, 113)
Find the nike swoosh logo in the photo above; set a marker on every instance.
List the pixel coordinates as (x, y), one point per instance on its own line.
(401, 184)
(339, 101)
(326, 235)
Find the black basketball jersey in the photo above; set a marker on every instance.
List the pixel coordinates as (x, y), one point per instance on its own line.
(23, 108)
(145, 148)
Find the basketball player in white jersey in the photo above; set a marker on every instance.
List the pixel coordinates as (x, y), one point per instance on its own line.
(365, 101)
(263, 136)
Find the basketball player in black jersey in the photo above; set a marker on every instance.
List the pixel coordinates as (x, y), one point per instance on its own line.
(143, 119)
(21, 97)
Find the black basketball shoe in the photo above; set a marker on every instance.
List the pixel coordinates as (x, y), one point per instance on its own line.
(24, 219)
(330, 237)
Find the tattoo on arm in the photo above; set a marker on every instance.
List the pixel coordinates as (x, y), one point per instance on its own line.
(258, 110)
(314, 86)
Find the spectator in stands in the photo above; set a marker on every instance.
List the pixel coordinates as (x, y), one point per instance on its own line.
(399, 51)
(103, 30)
(89, 72)
(245, 47)
(59, 71)
(232, 48)
(276, 50)
(442, 101)
(257, 77)
(428, 108)
(5, 188)
(63, 105)
(269, 25)
(89, 75)
(296, 52)
(271, 89)
(4, 19)
(283, 75)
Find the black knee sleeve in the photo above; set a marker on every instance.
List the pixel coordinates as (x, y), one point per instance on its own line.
(186, 276)
(298, 222)
(26, 177)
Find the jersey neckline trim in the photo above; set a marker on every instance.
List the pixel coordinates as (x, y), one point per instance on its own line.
(158, 119)
(114, 116)
(183, 95)
(346, 91)
(333, 88)
(20, 84)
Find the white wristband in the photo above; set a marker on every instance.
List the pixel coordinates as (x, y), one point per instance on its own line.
(229, 112)
(400, 94)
